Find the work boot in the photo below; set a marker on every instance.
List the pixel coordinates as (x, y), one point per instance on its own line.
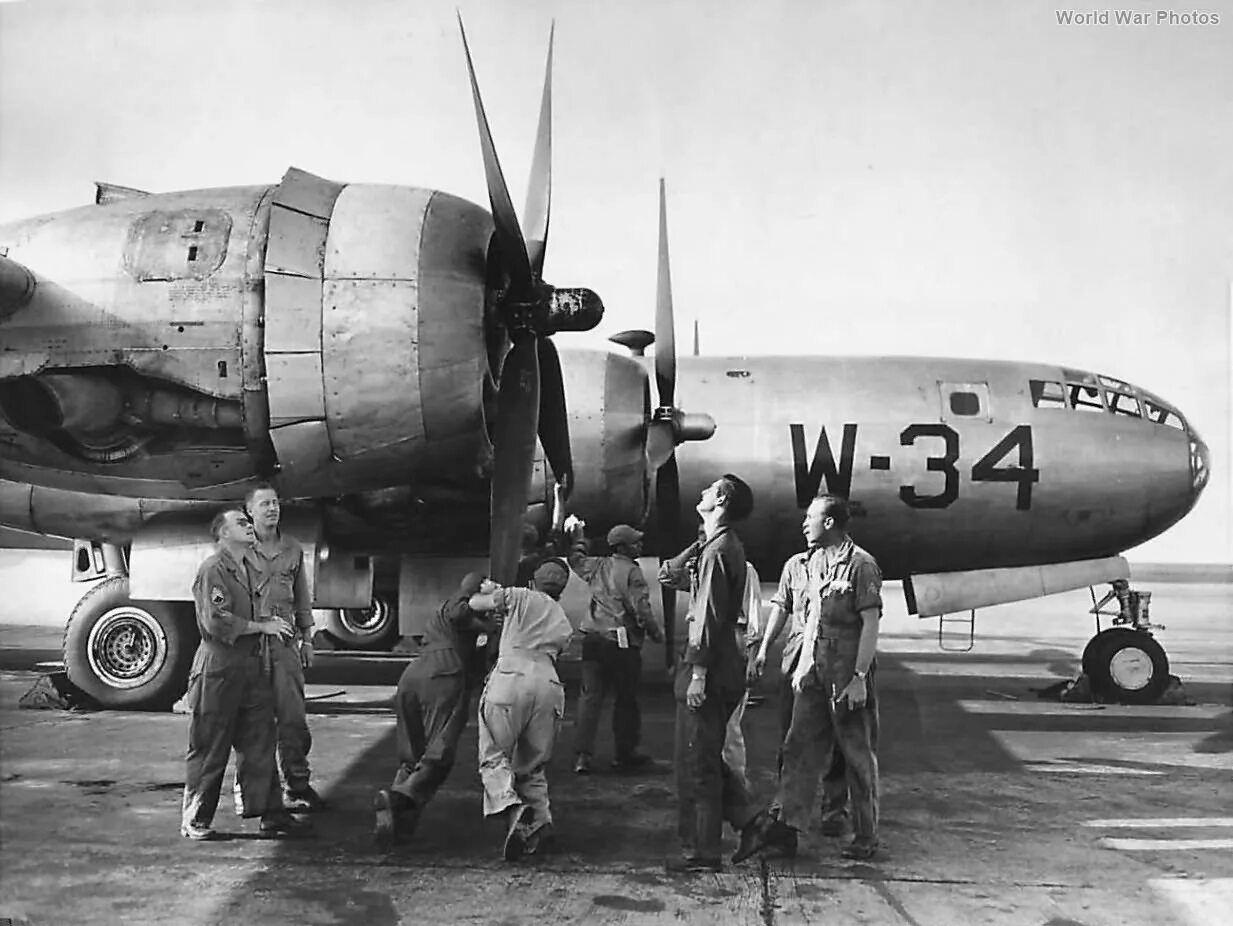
(519, 829)
(542, 842)
(281, 825)
(752, 838)
(304, 800)
(200, 832)
(689, 865)
(860, 851)
(779, 840)
(582, 764)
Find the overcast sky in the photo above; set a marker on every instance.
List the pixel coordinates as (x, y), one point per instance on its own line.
(942, 177)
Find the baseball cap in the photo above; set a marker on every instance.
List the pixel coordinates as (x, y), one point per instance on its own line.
(623, 533)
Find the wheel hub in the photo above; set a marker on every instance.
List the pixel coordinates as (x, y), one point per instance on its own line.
(1131, 668)
(127, 647)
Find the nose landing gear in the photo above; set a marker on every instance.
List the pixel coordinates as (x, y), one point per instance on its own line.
(1124, 662)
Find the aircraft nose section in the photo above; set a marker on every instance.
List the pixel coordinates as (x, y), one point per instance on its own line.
(1200, 466)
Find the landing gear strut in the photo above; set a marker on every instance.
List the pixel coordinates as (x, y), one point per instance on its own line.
(1124, 662)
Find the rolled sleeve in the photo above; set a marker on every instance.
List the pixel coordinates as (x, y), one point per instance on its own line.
(867, 586)
(783, 594)
(674, 573)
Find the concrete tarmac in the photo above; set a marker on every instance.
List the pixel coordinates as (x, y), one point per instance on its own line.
(997, 806)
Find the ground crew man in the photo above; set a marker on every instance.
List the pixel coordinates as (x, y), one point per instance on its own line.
(790, 607)
(710, 681)
(618, 622)
(432, 705)
(835, 683)
(282, 587)
(522, 705)
(230, 694)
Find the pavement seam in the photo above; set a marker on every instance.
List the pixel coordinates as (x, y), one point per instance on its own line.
(892, 901)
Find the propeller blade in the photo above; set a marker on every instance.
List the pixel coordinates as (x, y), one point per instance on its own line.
(668, 506)
(539, 187)
(667, 597)
(665, 334)
(513, 456)
(553, 416)
(509, 235)
(660, 443)
(667, 515)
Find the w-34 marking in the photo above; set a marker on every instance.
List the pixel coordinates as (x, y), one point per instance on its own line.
(810, 473)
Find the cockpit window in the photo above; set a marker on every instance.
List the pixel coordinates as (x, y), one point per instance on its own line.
(1121, 403)
(1046, 394)
(1160, 414)
(1085, 398)
(1117, 384)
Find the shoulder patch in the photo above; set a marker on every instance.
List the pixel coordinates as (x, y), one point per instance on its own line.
(217, 595)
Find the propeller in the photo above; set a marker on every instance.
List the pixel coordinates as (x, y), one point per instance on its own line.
(669, 426)
(531, 392)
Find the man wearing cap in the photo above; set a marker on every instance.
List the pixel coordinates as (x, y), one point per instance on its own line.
(619, 620)
(432, 704)
(521, 706)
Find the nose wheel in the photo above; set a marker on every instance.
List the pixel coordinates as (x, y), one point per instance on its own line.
(1125, 663)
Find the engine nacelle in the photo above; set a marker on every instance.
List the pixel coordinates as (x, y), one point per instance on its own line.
(609, 402)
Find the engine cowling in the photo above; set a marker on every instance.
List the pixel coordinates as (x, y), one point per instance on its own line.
(609, 405)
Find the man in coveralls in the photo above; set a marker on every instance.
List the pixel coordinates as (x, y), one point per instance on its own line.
(522, 705)
(618, 622)
(282, 587)
(432, 704)
(835, 681)
(790, 607)
(710, 682)
(230, 692)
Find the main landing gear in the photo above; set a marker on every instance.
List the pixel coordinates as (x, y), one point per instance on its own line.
(1124, 663)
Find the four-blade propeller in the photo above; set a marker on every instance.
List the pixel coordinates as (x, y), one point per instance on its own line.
(531, 394)
(669, 425)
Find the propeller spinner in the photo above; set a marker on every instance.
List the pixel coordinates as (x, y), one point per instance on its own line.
(531, 394)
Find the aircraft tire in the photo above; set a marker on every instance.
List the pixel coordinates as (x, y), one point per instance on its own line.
(371, 629)
(129, 655)
(1127, 666)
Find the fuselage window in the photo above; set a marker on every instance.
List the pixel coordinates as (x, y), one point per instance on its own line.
(1046, 394)
(964, 403)
(1162, 415)
(1122, 404)
(1085, 398)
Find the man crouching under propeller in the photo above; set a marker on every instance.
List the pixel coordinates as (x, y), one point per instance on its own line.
(522, 706)
(432, 705)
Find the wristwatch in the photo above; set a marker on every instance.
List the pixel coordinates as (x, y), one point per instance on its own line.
(859, 674)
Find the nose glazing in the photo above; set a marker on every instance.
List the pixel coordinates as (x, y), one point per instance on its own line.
(1200, 465)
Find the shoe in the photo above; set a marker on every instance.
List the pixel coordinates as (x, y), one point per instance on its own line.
(680, 865)
(304, 800)
(199, 832)
(752, 838)
(832, 828)
(860, 851)
(385, 829)
(783, 844)
(542, 842)
(582, 765)
(283, 826)
(632, 761)
(519, 830)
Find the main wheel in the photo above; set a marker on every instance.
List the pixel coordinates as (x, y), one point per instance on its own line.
(1126, 665)
(129, 655)
(371, 628)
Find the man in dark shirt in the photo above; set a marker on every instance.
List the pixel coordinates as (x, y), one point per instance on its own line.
(432, 706)
(710, 681)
